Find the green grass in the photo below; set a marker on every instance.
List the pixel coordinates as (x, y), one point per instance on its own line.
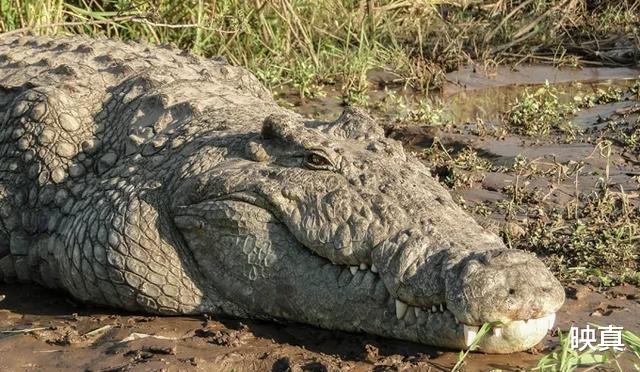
(565, 359)
(592, 237)
(632, 341)
(460, 170)
(595, 236)
(482, 332)
(304, 45)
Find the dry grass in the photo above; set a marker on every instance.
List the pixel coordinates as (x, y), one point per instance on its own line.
(304, 45)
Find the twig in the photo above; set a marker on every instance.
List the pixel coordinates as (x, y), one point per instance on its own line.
(27, 330)
(542, 57)
(97, 330)
(135, 19)
(491, 34)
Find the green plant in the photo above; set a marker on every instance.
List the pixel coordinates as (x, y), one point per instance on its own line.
(424, 112)
(632, 341)
(605, 235)
(303, 78)
(538, 112)
(601, 96)
(486, 327)
(459, 170)
(566, 359)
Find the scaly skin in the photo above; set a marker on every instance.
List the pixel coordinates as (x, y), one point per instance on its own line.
(150, 180)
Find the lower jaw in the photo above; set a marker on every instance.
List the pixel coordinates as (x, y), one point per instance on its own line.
(515, 336)
(443, 330)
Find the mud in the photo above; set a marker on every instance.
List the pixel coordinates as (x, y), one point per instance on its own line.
(41, 330)
(69, 336)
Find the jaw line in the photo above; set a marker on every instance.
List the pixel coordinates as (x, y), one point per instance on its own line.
(515, 332)
(517, 335)
(248, 197)
(487, 344)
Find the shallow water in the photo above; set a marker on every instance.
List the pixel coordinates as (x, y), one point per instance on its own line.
(470, 93)
(477, 93)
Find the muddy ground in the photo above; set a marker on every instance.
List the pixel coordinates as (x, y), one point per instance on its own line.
(43, 330)
(66, 339)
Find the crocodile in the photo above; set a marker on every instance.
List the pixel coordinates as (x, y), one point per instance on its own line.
(152, 180)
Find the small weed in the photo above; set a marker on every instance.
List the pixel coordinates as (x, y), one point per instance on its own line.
(623, 132)
(602, 235)
(566, 359)
(406, 111)
(303, 79)
(632, 341)
(458, 171)
(428, 113)
(635, 90)
(538, 112)
(594, 237)
(601, 96)
(423, 113)
(486, 327)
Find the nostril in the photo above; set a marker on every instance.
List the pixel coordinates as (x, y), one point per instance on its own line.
(512, 291)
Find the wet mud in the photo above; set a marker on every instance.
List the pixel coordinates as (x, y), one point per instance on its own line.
(59, 334)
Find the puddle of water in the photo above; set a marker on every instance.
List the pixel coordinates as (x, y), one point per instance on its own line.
(471, 94)
(475, 78)
(505, 151)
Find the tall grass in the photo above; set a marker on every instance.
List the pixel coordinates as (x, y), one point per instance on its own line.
(306, 44)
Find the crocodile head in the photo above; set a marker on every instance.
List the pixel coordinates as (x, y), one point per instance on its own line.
(333, 225)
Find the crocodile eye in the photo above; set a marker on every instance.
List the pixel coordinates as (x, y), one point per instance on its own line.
(318, 161)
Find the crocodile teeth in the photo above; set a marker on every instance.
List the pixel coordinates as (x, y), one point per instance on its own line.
(417, 311)
(401, 309)
(363, 266)
(497, 331)
(374, 269)
(441, 308)
(551, 319)
(353, 269)
(433, 308)
(470, 333)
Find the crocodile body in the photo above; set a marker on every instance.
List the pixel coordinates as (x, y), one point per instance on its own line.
(149, 179)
